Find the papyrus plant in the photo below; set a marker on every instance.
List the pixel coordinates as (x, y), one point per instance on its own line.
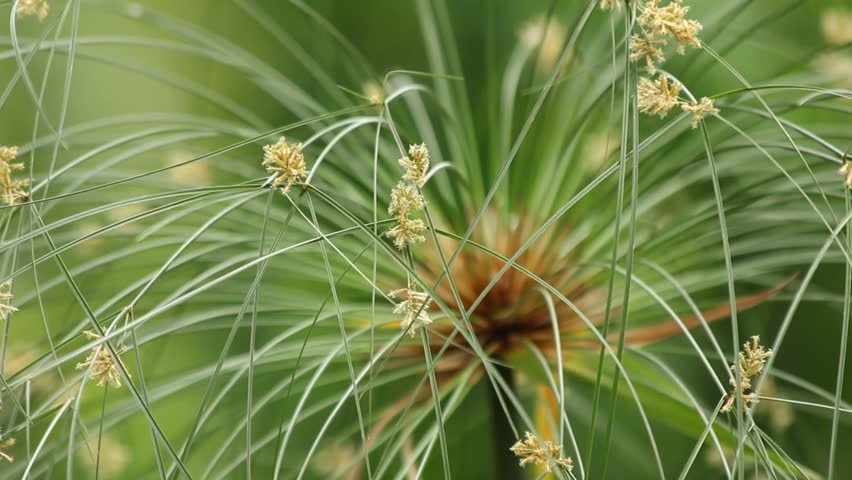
(240, 241)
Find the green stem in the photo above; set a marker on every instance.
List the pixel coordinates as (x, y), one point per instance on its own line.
(503, 437)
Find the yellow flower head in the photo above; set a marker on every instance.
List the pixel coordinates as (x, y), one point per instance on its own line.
(287, 162)
(13, 191)
(5, 445)
(700, 110)
(531, 450)
(751, 362)
(39, 8)
(416, 164)
(836, 26)
(610, 4)
(407, 232)
(648, 48)
(846, 171)
(6, 308)
(405, 200)
(546, 35)
(670, 20)
(658, 97)
(103, 368)
(412, 307)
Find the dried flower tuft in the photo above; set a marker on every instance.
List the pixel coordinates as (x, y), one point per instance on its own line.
(287, 161)
(6, 307)
(546, 35)
(658, 97)
(670, 20)
(648, 48)
(5, 445)
(12, 191)
(374, 92)
(39, 8)
(846, 171)
(751, 362)
(101, 362)
(406, 198)
(610, 4)
(836, 26)
(412, 307)
(416, 164)
(530, 450)
(700, 110)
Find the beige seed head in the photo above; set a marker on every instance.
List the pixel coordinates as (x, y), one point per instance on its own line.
(287, 162)
(547, 454)
(407, 232)
(416, 164)
(658, 97)
(836, 26)
(13, 191)
(38, 8)
(412, 307)
(750, 363)
(6, 307)
(5, 445)
(700, 110)
(103, 367)
(546, 35)
(610, 4)
(846, 171)
(670, 21)
(114, 457)
(648, 48)
(374, 92)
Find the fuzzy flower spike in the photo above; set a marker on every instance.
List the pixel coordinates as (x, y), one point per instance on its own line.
(5, 445)
(6, 307)
(412, 307)
(416, 164)
(103, 368)
(846, 171)
(547, 454)
(287, 162)
(406, 199)
(751, 362)
(13, 191)
(658, 97)
(699, 110)
(39, 8)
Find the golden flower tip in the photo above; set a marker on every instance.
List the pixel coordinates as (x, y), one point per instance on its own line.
(836, 26)
(648, 48)
(6, 307)
(406, 198)
(659, 96)
(547, 454)
(287, 162)
(610, 5)
(416, 164)
(546, 35)
(846, 171)
(670, 21)
(750, 364)
(103, 368)
(374, 92)
(38, 8)
(406, 232)
(7, 444)
(13, 191)
(700, 110)
(412, 307)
